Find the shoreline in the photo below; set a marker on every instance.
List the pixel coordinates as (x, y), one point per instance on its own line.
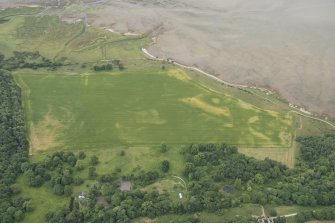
(145, 51)
(119, 33)
(297, 109)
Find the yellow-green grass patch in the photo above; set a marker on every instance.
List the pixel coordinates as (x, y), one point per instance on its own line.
(44, 134)
(285, 155)
(179, 74)
(198, 103)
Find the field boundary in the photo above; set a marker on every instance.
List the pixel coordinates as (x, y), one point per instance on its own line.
(25, 91)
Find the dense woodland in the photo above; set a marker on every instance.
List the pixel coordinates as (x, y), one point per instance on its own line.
(217, 176)
(13, 149)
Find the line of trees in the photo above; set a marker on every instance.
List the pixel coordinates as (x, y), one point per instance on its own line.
(323, 215)
(109, 66)
(32, 60)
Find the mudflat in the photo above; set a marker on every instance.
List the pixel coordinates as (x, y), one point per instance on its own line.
(284, 45)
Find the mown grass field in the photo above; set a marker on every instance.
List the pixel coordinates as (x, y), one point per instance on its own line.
(143, 107)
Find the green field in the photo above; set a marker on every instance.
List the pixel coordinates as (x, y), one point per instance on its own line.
(140, 107)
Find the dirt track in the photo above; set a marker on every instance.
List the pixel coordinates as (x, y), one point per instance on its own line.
(284, 45)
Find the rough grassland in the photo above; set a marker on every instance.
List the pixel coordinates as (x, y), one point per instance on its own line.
(283, 155)
(141, 107)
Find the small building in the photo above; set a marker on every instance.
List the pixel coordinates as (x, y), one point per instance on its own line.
(125, 185)
(228, 189)
(81, 195)
(180, 195)
(266, 220)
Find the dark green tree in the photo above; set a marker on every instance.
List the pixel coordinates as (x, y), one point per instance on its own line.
(94, 160)
(165, 166)
(82, 155)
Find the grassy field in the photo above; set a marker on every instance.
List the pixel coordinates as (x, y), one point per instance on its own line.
(141, 107)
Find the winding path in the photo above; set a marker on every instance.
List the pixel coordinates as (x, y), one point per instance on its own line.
(185, 185)
(263, 216)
